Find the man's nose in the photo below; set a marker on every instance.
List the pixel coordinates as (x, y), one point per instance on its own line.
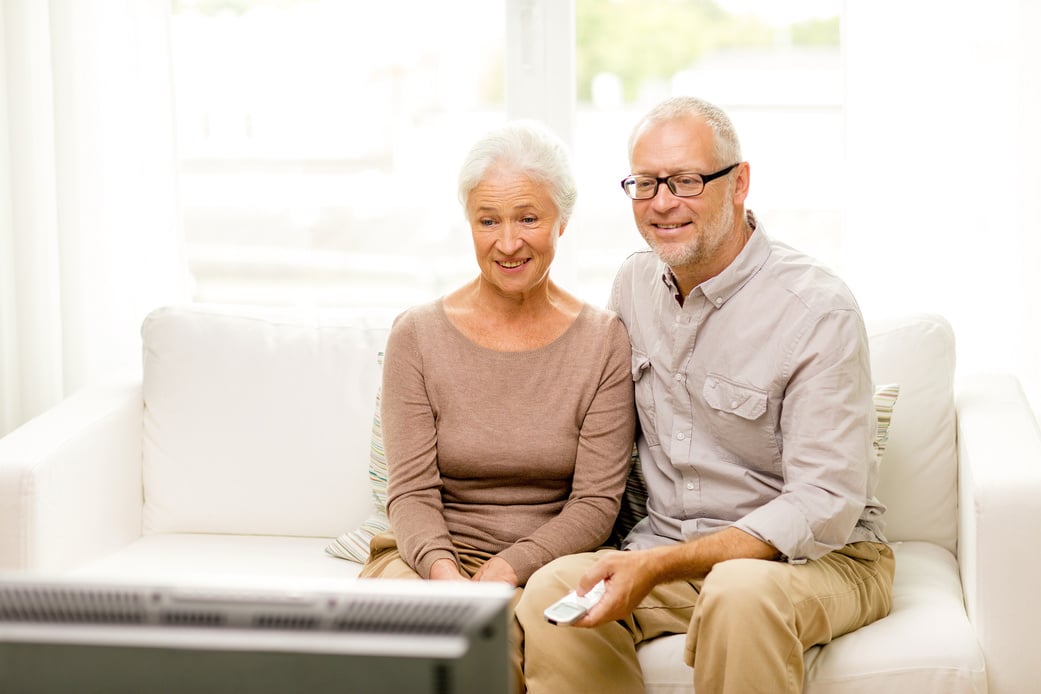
(664, 198)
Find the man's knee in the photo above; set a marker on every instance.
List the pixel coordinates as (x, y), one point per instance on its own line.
(745, 586)
(742, 601)
(549, 583)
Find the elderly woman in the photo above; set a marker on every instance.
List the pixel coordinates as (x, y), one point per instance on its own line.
(508, 413)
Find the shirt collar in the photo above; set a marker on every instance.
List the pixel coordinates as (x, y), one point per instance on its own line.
(719, 289)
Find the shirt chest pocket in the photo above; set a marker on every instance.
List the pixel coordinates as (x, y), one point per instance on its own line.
(727, 397)
(737, 420)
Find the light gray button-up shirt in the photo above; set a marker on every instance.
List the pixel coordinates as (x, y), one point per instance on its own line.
(755, 402)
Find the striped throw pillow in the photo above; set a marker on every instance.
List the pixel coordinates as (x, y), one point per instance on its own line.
(354, 544)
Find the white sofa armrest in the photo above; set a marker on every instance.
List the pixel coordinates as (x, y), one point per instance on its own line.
(70, 481)
(999, 455)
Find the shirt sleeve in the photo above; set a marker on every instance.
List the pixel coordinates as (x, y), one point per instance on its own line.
(827, 425)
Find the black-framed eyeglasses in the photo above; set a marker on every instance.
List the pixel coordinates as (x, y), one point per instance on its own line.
(682, 185)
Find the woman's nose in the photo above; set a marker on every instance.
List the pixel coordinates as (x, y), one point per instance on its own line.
(510, 239)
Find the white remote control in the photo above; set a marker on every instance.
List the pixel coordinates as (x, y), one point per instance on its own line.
(570, 608)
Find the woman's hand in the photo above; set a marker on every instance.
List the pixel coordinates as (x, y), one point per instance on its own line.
(446, 570)
(497, 569)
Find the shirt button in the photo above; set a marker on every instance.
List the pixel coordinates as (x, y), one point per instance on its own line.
(678, 377)
(680, 436)
(690, 485)
(719, 300)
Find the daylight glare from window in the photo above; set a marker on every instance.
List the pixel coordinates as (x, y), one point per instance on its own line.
(319, 141)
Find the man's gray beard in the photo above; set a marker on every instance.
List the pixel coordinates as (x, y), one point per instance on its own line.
(701, 248)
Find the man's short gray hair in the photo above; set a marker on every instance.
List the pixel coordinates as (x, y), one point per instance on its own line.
(728, 147)
(527, 147)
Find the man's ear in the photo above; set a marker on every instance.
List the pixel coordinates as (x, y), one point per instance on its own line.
(744, 173)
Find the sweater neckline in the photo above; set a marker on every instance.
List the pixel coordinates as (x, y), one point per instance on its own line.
(552, 344)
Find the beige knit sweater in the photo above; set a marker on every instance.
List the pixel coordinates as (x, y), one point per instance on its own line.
(522, 454)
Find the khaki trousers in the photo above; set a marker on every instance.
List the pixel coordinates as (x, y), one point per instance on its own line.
(747, 623)
(385, 561)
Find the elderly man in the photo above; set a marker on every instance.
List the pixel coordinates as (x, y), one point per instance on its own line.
(762, 536)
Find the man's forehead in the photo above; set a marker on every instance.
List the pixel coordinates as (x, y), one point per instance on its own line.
(685, 144)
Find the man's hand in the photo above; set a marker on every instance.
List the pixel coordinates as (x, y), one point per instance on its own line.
(497, 569)
(627, 581)
(630, 576)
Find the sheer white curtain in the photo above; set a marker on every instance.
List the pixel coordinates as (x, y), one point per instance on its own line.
(89, 240)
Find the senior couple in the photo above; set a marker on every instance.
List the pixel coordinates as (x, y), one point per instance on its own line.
(509, 421)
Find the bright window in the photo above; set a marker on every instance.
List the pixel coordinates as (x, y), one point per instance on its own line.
(319, 140)
(774, 67)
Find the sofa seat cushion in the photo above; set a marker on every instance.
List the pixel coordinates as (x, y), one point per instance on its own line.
(188, 558)
(926, 644)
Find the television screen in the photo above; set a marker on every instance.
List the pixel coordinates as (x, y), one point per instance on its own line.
(75, 635)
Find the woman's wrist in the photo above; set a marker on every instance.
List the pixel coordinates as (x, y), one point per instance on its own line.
(445, 570)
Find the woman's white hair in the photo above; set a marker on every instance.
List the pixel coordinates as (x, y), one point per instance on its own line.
(527, 147)
(728, 147)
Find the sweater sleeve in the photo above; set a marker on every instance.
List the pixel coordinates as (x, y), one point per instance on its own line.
(410, 441)
(601, 466)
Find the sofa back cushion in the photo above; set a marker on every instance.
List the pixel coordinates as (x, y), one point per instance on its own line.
(258, 424)
(261, 423)
(919, 474)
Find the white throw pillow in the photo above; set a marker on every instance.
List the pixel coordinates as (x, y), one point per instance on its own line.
(252, 422)
(919, 481)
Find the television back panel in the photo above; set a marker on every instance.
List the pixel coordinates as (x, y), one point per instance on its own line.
(367, 636)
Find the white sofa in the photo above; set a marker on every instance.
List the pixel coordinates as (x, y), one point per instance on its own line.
(246, 448)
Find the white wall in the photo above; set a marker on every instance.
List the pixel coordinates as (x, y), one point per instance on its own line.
(941, 213)
(1029, 174)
